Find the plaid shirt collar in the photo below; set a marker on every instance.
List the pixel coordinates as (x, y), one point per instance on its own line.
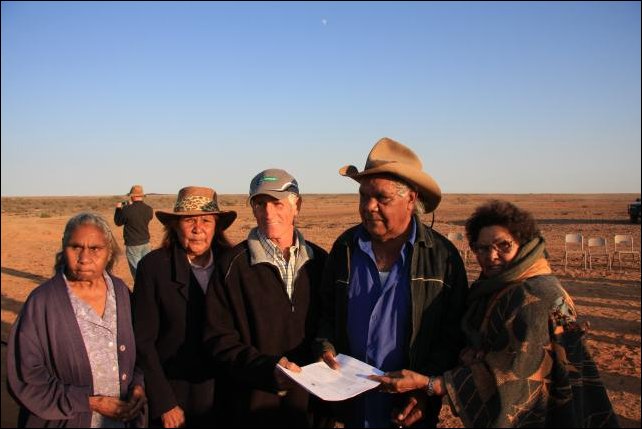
(259, 255)
(273, 252)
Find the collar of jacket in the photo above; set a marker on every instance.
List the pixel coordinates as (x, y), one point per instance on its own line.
(423, 235)
(258, 255)
(181, 270)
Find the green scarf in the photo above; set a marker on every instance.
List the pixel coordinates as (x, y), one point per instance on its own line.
(482, 290)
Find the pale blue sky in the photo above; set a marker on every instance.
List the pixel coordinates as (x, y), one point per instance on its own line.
(494, 97)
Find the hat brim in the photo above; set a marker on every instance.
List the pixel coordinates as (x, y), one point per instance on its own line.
(225, 219)
(429, 190)
(279, 195)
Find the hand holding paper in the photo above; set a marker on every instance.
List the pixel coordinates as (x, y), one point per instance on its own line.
(335, 385)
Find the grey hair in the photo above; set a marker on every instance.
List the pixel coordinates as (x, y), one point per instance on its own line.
(86, 218)
(293, 199)
(403, 188)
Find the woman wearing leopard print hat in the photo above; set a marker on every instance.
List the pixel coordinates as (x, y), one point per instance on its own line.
(169, 310)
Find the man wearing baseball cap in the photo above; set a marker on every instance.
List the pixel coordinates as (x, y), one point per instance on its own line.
(262, 307)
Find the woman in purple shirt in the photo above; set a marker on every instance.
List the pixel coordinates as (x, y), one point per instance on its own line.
(71, 353)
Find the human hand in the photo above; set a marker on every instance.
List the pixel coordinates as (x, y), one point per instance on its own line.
(137, 399)
(284, 382)
(328, 358)
(174, 418)
(413, 412)
(400, 381)
(114, 408)
(285, 363)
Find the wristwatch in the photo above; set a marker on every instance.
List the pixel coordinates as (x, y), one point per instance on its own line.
(430, 388)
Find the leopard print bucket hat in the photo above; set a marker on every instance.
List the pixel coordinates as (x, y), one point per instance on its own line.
(195, 201)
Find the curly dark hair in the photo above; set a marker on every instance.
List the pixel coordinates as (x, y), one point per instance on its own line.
(520, 223)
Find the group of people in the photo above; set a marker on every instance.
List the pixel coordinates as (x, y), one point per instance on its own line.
(210, 321)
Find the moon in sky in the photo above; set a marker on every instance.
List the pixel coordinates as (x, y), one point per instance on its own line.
(324, 22)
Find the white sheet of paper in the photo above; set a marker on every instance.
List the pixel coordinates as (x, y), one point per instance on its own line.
(335, 385)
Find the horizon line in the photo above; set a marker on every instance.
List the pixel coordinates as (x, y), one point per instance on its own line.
(323, 193)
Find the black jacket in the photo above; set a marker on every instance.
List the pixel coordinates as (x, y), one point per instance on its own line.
(438, 287)
(136, 217)
(251, 323)
(169, 314)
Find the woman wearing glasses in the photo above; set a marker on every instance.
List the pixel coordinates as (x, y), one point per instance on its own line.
(526, 363)
(71, 354)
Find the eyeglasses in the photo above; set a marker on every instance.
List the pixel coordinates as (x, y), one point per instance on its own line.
(501, 247)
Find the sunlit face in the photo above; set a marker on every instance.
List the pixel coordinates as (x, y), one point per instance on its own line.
(275, 217)
(195, 233)
(494, 249)
(384, 213)
(86, 253)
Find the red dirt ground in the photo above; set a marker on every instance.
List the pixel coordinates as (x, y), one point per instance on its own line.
(609, 300)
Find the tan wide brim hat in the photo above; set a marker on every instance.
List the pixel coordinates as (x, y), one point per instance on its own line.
(197, 201)
(391, 157)
(136, 191)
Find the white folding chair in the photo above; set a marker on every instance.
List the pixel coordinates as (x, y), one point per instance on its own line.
(597, 248)
(574, 244)
(458, 240)
(623, 245)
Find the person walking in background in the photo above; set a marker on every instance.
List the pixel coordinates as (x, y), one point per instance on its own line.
(169, 310)
(135, 216)
(262, 309)
(394, 289)
(71, 352)
(526, 364)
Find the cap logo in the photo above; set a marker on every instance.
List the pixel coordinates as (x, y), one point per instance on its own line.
(267, 179)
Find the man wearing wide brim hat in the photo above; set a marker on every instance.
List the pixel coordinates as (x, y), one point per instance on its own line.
(135, 216)
(395, 289)
(393, 158)
(168, 305)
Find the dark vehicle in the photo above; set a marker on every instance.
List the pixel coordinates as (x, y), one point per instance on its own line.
(634, 211)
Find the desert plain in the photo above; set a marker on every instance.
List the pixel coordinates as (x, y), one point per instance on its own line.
(609, 299)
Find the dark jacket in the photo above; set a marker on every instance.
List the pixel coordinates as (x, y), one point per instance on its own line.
(531, 339)
(48, 370)
(438, 288)
(251, 323)
(169, 315)
(136, 217)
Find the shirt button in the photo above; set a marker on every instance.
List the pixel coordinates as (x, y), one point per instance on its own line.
(110, 344)
(113, 368)
(122, 348)
(124, 377)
